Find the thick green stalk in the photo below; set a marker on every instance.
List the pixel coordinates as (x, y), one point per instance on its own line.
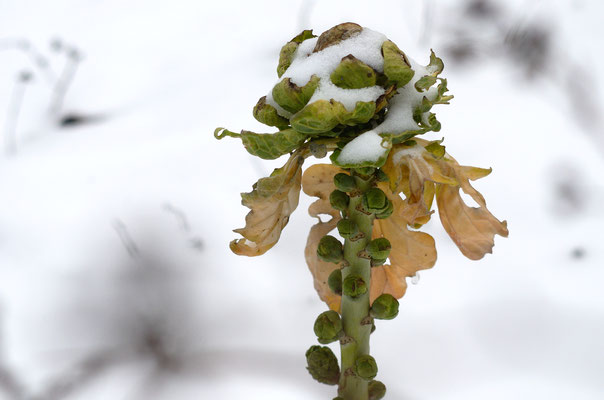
(356, 321)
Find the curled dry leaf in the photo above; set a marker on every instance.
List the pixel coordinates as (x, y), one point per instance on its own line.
(414, 171)
(317, 181)
(473, 229)
(421, 175)
(411, 251)
(272, 201)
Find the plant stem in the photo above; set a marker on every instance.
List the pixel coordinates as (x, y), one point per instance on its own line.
(355, 311)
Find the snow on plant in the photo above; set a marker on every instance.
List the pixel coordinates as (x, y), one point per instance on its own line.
(354, 93)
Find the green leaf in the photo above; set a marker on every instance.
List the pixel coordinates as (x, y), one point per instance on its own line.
(270, 146)
(436, 64)
(424, 83)
(292, 97)
(362, 113)
(396, 65)
(352, 73)
(267, 114)
(318, 117)
(302, 36)
(436, 149)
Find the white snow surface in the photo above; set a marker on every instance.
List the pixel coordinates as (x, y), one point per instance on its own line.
(365, 147)
(401, 106)
(398, 119)
(365, 46)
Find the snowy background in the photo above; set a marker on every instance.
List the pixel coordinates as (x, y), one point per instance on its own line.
(117, 204)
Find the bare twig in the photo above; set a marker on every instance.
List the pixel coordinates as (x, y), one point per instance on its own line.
(180, 216)
(14, 109)
(129, 244)
(64, 81)
(38, 60)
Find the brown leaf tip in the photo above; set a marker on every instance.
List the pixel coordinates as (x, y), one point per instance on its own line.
(336, 34)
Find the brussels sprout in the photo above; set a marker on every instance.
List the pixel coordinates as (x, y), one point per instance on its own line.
(386, 212)
(385, 307)
(339, 200)
(334, 281)
(330, 249)
(354, 286)
(377, 390)
(375, 201)
(379, 248)
(347, 228)
(344, 182)
(328, 327)
(323, 365)
(366, 367)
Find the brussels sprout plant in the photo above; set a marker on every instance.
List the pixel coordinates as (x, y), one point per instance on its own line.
(353, 93)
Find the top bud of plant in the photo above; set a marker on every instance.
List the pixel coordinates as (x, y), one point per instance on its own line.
(349, 83)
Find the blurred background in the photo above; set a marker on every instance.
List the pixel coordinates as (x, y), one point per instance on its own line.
(117, 204)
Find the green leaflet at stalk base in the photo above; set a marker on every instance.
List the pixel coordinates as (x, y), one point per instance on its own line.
(268, 146)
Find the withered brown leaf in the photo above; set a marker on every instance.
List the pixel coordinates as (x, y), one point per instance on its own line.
(473, 229)
(412, 251)
(421, 176)
(272, 201)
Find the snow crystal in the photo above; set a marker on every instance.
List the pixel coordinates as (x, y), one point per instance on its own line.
(365, 46)
(348, 97)
(365, 147)
(401, 106)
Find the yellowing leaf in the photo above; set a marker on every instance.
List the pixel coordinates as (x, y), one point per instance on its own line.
(272, 201)
(411, 251)
(413, 171)
(317, 181)
(421, 175)
(472, 229)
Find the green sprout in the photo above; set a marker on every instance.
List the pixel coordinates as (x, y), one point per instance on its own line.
(353, 94)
